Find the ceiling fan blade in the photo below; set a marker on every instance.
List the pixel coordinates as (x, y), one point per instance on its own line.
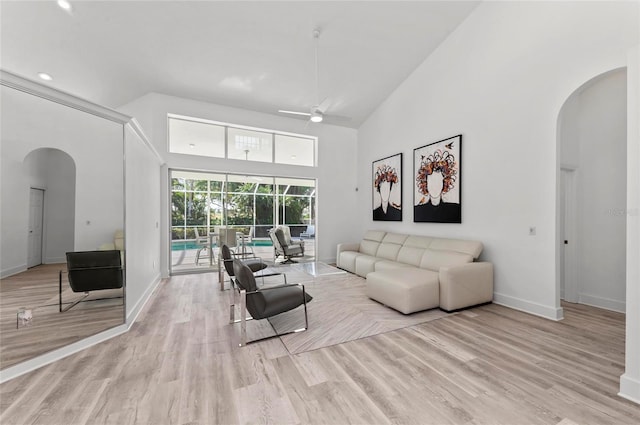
(337, 118)
(294, 112)
(324, 105)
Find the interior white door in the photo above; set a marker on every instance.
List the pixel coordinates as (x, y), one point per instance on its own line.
(569, 273)
(36, 215)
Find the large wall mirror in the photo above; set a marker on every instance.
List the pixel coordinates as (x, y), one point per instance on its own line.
(62, 190)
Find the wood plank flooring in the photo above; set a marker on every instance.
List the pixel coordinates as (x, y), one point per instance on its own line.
(37, 289)
(180, 364)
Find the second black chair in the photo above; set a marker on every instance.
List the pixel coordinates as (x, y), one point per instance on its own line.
(266, 302)
(254, 263)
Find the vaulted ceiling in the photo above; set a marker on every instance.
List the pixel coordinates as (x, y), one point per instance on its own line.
(253, 55)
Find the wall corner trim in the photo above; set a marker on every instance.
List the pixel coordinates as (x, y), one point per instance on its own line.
(58, 96)
(135, 126)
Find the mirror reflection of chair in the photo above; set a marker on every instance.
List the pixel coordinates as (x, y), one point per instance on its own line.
(92, 271)
(265, 302)
(284, 245)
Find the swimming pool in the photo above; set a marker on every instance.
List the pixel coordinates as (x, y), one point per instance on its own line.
(185, 245)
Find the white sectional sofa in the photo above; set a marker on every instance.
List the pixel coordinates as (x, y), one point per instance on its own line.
(414, 273)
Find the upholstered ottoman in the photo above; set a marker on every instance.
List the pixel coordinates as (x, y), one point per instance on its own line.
(405, 289)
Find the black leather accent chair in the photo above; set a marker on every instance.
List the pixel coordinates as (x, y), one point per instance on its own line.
(92, 271)
(268, 301)
(253, 262)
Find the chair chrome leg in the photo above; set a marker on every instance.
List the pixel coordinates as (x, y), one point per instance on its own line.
(232, 303)
(73, 304)
(304, 302)
(243, 317)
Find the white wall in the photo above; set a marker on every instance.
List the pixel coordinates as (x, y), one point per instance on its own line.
(336, 174)
(142, 233)
(95, 145)
(55, 172)
(500, 79)
(594, 141)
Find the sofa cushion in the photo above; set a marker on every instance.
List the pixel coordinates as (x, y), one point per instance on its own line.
(434, 259)
(394, 238)
(368, 247)
(407, 290)
(365, 264)
(418, 242)
(389, 265)
(388, 251)
(347, 260)
(473, 248)
(410, 255)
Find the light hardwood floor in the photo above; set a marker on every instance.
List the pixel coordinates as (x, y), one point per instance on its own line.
(180, 364)
(37, 289)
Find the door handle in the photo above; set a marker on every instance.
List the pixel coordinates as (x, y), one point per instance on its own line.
(566, 242)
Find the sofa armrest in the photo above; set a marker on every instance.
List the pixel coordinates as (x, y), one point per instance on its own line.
(347, 247)
(465, 285)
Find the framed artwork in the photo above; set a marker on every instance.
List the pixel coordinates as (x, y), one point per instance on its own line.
(387, 188)
(436, 182)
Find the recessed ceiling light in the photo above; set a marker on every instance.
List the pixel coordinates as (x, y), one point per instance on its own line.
(45, 76)
(293, 157)
(192, 145)
(64, 4)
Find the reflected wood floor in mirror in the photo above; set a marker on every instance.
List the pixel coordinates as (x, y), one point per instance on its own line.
(180, 364)
(37, 289)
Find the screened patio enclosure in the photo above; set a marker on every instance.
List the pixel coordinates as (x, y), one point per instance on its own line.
(209, 209)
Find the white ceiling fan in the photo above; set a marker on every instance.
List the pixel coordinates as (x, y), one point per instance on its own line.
(317, 113)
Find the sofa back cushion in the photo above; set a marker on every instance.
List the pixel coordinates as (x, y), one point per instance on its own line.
(388, 251)
(371, 242)
(394, 238)
(390, 245)
(418, 242)
(472, 248)
(433, 259)
(410, 255)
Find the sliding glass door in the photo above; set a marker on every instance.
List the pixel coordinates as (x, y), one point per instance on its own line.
(209, 209)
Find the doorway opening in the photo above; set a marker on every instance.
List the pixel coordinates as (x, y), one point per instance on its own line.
(36, 220)
(50, 184)
(592, 194)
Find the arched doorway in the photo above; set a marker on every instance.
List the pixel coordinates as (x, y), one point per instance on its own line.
(51, 181)
(592, 139)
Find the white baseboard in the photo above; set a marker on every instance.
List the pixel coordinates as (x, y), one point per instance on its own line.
(52, 356)
(328, 261)
(629, 388)
(55, 260)
(12, 270)
(132, 315)
(545, 311)
(600, 302)
(55, 355)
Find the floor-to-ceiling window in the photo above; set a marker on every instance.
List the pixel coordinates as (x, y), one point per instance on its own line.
(208, 209)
